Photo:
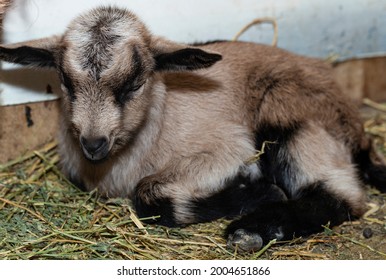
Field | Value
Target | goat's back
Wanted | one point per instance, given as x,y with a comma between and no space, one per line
256,85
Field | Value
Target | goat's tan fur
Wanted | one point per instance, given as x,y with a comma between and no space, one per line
184,134
204,132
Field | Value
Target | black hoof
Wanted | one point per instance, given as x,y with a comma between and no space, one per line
244,241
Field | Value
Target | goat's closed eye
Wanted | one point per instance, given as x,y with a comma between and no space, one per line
126,92
132,88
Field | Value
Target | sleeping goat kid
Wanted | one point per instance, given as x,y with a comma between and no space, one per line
175,127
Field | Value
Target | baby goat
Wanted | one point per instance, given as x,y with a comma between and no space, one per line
175,127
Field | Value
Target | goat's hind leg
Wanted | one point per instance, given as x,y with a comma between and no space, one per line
314,207
323,188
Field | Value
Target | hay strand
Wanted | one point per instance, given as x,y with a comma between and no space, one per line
257,22
375,105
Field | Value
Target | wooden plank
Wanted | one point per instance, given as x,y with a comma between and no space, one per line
375,82
350,77
27,126
362,78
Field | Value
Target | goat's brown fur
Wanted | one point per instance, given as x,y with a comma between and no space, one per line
138,122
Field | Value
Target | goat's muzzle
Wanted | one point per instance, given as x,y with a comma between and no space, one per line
95,148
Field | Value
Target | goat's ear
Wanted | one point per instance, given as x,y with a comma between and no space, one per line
185,59
36,53
170,56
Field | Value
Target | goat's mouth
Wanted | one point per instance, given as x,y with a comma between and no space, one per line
95,150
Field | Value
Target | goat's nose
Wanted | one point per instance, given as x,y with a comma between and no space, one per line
94,148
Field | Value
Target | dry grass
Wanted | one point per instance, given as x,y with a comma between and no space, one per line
42,216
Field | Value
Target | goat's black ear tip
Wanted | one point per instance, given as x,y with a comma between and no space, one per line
211,58
217,57
186,59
